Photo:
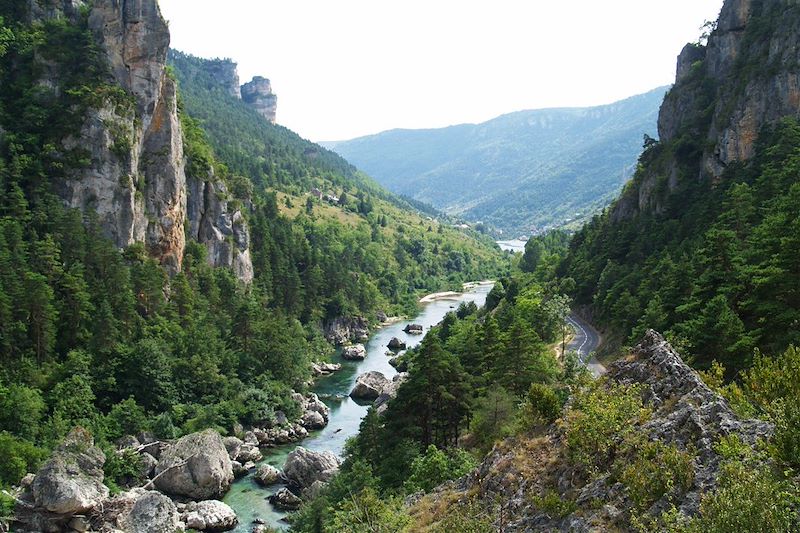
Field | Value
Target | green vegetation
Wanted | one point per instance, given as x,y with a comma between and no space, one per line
103,338
550,167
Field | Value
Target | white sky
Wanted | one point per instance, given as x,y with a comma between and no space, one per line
345,68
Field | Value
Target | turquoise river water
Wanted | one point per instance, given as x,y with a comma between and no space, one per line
248,499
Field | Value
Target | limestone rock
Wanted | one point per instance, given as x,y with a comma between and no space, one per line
369,386
210,515
196,466
71,481
324,369
267,475
303,467
414,329
313,420
285,500
152,512
225,73
389,392
356,352
343,330
258,95
396,344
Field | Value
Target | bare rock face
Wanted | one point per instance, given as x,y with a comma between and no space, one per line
746,78
71,481
356,352
225,73
303,467
151,512
267,475
221,227
343,330
258,94
196,466
389,392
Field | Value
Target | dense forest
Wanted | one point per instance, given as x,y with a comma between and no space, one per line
103,338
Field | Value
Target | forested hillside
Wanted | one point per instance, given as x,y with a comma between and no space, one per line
154,330
519,172
702,243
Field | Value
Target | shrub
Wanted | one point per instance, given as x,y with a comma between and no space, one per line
365,512
17,458
122,469
125,418
601,416
657,470
470,518
553,504
435,467
542,403
787,433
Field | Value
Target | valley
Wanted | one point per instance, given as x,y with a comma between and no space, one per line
210,323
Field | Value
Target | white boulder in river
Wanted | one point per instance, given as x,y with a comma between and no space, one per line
369,386
196,466
210,515
303,467
356,352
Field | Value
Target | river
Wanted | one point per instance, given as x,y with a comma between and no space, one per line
515,245
248,499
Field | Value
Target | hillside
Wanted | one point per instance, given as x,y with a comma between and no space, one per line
151,281
520,172
701,243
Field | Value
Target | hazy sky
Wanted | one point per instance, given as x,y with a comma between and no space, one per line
345,68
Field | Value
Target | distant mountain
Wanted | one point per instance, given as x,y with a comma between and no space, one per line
519,172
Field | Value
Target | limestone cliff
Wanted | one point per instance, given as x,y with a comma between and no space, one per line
136,180
258,94
745,78
226,75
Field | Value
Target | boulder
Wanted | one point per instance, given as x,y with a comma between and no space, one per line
313,420
414,329
267,475
369,386
196,466
400,363
303,467
210,515
71,481
357,352
239,470
342,330
249,453
233,445
396,344
285,500
152,512
147,465
324,369
389,392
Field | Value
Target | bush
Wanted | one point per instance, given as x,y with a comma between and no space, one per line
17,458
365,512
435,467
492,418
542,404
126,418
601,416
122,469
470,518
657,470
787,433
553,504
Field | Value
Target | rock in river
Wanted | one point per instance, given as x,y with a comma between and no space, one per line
303,467
369,386
396,344
357,352
285,500
267,475
210,515
196,466
414,329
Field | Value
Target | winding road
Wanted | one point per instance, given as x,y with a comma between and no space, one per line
585,342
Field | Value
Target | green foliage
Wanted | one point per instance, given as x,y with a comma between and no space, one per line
435,467
657,470
600,417
542,405
468,518
554,504
19,458
493,418
122,469
365,512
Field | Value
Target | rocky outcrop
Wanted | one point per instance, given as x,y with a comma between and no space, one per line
151,512
224,72
745,78
685,414
258,95
354,353
396,344
285,500
196,466
414,329
210,515
344,330
369,386
71,481
389,392
216,220
303,467
325,369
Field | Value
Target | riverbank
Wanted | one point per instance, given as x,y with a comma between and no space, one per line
249,499
453,295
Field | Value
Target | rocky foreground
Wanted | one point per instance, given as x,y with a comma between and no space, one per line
684,413
185,479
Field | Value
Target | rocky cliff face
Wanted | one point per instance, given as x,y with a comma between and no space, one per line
746,78
258,94
136,180
225,73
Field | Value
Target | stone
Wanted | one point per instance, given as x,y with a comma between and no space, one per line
152,512
196,466
313,420
285,500
258,95
400,363
71,481
233,446
147,465
343,330
303,467
369,386
80,523
210,515
414,329
356,352
249,453
396,344
239,471
389,392
267,475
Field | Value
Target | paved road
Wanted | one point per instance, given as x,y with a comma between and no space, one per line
585,342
